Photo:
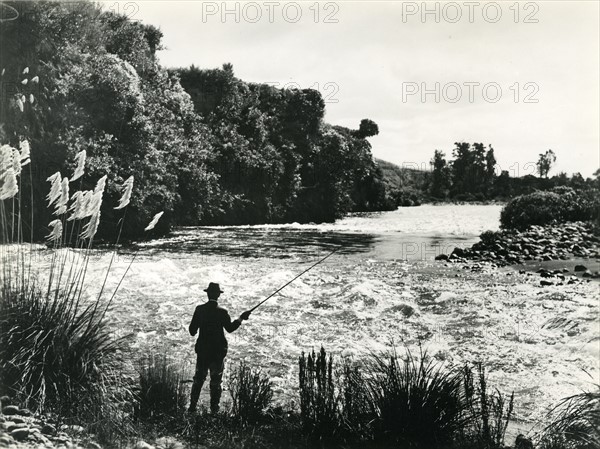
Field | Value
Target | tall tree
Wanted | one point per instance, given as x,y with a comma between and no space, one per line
440,176
545,162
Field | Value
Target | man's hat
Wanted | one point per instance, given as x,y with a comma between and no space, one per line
212,287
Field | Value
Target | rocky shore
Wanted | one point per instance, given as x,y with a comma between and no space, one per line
566,241
20,428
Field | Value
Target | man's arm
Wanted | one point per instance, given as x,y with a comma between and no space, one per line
229,325
195,324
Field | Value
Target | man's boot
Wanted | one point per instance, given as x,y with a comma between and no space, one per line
215,398
196,387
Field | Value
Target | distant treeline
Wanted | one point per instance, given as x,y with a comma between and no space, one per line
472,175
204,146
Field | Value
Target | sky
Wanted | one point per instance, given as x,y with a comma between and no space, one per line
521,76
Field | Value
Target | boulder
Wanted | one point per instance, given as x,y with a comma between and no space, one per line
544,283
20,434
523,443
441,257
10,410
48,429
580,268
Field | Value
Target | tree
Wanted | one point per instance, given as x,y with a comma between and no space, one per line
366,129
545,162
440,177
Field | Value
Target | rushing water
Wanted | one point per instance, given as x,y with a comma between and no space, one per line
381,288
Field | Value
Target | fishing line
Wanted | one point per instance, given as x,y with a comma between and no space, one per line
289,282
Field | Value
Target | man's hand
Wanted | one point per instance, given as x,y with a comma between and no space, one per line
245,315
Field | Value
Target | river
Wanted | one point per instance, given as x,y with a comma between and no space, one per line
382,288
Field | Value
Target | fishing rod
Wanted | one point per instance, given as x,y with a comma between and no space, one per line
288,283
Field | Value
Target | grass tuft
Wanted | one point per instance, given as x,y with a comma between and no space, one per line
162,390
251,393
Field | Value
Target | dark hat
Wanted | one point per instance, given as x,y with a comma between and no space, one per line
212,287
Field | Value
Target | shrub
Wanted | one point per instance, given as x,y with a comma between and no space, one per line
161,389
417,403
560,205
575,423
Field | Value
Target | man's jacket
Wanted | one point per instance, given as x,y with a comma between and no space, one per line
209,321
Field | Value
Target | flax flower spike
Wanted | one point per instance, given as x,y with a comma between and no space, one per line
154,221
127,189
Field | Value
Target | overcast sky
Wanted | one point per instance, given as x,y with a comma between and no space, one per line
375,59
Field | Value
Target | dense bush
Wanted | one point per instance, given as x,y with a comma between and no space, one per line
560,205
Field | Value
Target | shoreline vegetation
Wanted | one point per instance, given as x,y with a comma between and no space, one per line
93,101
206,147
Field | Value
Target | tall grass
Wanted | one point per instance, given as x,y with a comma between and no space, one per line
318,398
251,393
162,391
417,402
488,414
57,353
574,423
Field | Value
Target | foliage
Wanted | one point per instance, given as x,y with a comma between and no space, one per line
161,388
540,208
545,162
251,393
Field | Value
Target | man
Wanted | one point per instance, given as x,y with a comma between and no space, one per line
211,347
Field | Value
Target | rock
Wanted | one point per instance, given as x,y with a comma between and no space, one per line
6,440
580,268
459,252
142,445
20,434
587,274
441,257
24,412
48,429
10,410
15,426
523,443
544,282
